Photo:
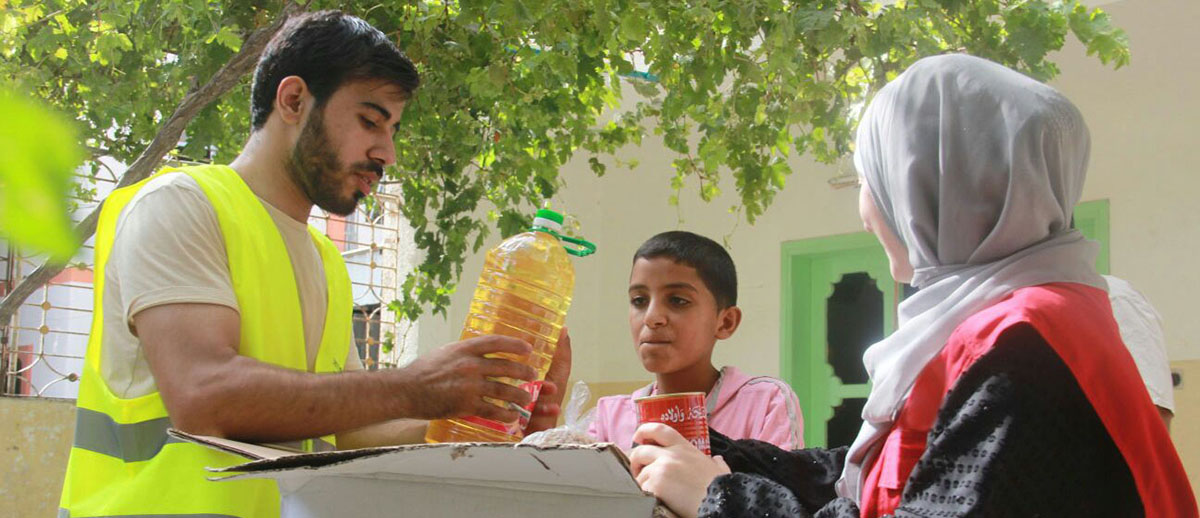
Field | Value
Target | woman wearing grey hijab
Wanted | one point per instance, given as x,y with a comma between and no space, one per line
1005,390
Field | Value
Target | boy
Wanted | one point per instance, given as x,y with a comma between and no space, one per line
682,299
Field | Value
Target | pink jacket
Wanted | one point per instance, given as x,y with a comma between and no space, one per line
745,407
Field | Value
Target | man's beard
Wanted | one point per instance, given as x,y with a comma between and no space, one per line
315,168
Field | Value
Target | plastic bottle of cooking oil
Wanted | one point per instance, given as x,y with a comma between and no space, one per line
523,292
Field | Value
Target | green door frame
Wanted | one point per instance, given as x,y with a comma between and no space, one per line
809,269
1091,219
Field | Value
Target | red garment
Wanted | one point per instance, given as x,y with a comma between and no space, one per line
1096,357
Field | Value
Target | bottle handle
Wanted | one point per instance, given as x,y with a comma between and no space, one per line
582,248
585,247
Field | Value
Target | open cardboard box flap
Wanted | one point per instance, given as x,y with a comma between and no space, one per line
464,479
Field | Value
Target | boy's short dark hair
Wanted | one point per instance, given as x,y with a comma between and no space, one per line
326,49
711,261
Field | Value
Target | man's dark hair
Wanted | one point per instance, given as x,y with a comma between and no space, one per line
327,49
711,261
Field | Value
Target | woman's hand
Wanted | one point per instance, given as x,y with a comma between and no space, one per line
669,466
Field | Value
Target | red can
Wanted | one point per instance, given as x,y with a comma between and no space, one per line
685,412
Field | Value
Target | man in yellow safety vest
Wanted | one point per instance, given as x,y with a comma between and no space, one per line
219,311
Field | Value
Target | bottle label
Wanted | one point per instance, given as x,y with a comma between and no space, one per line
685,412
517,427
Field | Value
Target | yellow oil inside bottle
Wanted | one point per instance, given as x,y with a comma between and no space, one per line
523,292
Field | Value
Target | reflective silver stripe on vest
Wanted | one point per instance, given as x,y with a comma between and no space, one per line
63,513
317,445
133,442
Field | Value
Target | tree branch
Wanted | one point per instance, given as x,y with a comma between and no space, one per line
167,138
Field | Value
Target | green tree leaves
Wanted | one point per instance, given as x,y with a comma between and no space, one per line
40,156
227,37
513,90
1097,33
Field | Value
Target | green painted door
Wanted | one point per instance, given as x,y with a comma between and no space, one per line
838,297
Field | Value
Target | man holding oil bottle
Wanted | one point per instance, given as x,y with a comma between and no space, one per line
220,312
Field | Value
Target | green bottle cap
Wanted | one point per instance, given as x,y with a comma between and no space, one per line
549,221
550,215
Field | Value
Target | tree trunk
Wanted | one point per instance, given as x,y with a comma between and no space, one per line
167,138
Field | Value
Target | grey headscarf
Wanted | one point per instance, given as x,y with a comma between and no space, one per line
977,169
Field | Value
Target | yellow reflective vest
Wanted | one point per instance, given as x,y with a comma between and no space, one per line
122,462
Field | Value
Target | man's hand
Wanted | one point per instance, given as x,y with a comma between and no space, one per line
211,389
669,466
549,402
453,380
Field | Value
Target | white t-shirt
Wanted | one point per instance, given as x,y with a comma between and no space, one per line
169,249
1141,330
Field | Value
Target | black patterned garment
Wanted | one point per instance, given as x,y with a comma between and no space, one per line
1014,437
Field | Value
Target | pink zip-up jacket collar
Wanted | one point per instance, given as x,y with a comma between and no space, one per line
739,406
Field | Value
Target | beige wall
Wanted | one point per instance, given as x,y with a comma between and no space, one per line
1185,426
35,439
1143,120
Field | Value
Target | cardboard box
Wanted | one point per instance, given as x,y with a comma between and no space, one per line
452,480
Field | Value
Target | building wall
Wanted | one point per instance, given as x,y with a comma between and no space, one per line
1143,120
1185,427
36,439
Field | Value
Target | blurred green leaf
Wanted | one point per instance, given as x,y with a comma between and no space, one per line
40,154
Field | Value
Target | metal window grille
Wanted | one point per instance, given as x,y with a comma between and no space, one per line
42,347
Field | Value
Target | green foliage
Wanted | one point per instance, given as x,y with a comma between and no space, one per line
40,155
120,67
513,90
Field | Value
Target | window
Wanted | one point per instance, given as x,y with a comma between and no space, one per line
42,348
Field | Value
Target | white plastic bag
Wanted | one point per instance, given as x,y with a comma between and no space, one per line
575,422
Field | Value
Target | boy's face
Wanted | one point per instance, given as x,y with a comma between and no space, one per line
673,318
